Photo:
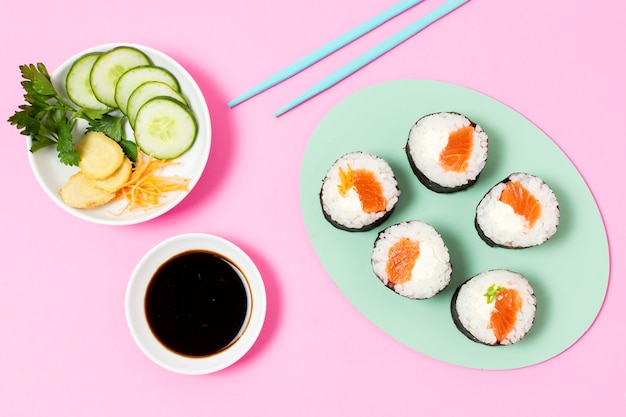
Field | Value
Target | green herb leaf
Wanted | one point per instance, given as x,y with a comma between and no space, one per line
111,126
65,145
24,120
42,84
130,149
39,142
44,117
48,119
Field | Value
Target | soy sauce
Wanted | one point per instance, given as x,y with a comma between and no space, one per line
196,303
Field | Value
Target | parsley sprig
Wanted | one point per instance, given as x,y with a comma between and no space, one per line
48,119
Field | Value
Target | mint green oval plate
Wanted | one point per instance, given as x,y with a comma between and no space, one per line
569,273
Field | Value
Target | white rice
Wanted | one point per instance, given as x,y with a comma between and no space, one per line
346,210
432,270
429,137
500,224
474,313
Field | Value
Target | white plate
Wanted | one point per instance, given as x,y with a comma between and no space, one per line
135,310
52,174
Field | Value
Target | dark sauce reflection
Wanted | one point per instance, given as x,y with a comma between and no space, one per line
196,303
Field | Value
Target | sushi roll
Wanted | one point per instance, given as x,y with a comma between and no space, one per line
359,192
519,212
412,259
496,307
447,151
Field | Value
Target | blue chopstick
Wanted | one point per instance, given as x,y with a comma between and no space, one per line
326,50
373,54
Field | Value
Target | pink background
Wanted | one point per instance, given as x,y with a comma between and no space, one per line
66,349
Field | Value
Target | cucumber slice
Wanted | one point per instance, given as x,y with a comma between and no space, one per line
147,91
109,67
134,77
165,128
77,83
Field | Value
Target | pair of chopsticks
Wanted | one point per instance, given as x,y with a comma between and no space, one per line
358,62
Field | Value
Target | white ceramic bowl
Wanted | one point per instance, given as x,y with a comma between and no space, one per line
140,328
52,174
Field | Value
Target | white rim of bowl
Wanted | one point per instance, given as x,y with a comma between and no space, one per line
135,294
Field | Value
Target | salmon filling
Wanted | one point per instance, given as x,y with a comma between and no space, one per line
504,315
367,186
402,257
522,201
455,156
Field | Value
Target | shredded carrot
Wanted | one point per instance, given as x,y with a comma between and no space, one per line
144,189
